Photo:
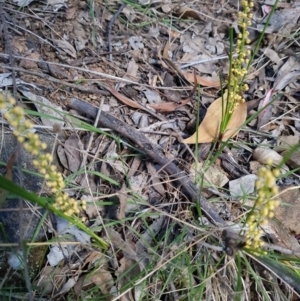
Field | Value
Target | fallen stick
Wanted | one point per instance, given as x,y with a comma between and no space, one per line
153,151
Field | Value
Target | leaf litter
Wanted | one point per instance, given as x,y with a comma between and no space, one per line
151,211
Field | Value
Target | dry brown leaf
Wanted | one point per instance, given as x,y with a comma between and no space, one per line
294,160
123,202
287,73
165,107
208,130
289,207
131,72
79,285
119,244
155,179
126,273
71,10
273,56
283,234
282,20
73,153
50,279
214,175
103,279
28,64
129,102
185,12
266,114
264,154
201,80
66,47
286,142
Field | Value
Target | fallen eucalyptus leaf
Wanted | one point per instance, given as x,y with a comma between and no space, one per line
286,142
265,115
66,47
203,81
208,130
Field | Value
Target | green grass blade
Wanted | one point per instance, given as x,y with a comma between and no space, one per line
32,197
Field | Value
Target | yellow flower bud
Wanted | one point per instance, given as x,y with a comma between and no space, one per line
274,190
11,100
276,172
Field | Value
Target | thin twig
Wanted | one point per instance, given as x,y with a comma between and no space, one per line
109,28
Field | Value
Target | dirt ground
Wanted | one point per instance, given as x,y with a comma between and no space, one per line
145,65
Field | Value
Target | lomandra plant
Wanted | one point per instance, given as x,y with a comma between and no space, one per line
63,205
226,114
31,143
264,205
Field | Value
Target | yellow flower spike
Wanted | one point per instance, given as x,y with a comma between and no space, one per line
33,144
264,205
